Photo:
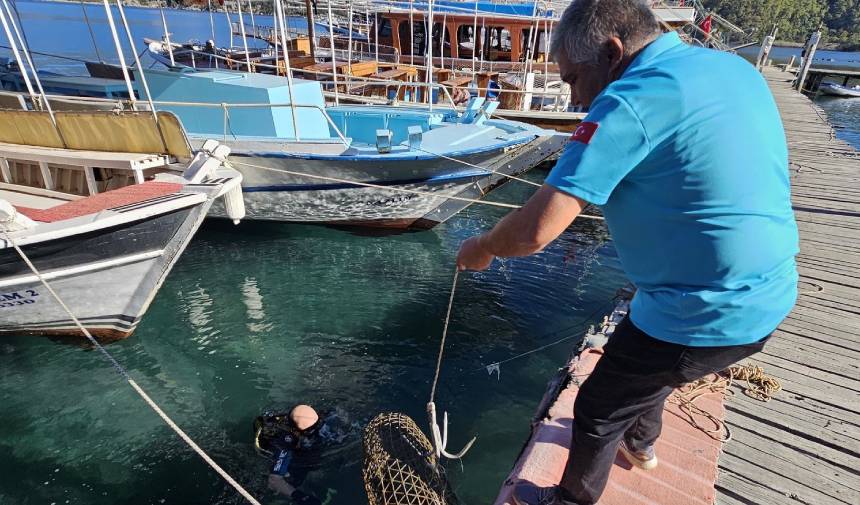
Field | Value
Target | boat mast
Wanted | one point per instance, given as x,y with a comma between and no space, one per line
430,56
120,55
166,38
411,36
349,47
253,21
29,60
279,17
141,74
333,53
244,38
211,20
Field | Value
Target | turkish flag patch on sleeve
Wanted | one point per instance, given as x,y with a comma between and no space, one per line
584,132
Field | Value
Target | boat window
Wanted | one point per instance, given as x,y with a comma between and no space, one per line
465,41
385,28
417,37
437,35
539,50
499,44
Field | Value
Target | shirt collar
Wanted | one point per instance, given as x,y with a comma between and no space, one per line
660,45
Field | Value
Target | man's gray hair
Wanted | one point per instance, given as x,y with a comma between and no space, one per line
586,25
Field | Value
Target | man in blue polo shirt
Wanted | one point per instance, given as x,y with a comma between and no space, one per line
684,151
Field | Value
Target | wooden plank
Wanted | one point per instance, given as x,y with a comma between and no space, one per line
802,446
90,178
47,178
4,171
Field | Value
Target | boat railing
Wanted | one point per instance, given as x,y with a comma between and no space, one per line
227,106
351,79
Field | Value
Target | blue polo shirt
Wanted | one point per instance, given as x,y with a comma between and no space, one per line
686,155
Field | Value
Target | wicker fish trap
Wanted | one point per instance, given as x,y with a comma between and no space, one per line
400,467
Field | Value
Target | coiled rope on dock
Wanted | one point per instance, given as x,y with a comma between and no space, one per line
122,371
759,386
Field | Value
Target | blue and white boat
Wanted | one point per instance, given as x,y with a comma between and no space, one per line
348,165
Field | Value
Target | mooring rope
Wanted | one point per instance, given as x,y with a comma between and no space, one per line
149,401
234,161
444,335
759,385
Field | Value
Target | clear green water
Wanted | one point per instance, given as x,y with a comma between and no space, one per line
256,317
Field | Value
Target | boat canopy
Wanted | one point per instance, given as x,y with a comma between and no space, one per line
271,118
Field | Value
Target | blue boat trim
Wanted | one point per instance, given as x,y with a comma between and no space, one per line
441,179
408,155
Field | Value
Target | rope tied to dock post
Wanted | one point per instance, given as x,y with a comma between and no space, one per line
119,368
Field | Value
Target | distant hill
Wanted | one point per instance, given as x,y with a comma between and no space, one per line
796,19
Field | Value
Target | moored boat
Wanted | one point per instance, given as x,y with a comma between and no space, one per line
832,89
351,165
103,228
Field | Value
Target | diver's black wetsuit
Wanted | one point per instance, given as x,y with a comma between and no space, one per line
291,451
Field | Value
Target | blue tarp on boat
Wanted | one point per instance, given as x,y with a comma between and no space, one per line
484,7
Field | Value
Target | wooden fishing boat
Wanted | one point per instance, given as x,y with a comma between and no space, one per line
103,204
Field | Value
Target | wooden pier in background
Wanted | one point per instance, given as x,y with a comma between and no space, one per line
802,446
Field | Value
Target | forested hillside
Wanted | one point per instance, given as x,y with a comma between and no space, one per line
796,19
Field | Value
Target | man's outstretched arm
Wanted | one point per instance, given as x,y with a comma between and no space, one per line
524,231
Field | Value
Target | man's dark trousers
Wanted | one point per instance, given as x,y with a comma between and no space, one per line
624,396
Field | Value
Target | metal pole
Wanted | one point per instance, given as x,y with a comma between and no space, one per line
29,60
474,41
253,21
411,36
92,36
14,46
211,20
430,56
333,53
244,38
376,36
349,46
229,24
120,55
279,16
166,37
140,72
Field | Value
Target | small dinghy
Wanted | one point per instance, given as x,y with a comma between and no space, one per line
829,88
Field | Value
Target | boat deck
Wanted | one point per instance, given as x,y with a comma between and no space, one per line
802,446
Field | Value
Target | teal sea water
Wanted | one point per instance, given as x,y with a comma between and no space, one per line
261,316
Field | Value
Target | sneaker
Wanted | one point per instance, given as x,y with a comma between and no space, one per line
530,494
645,459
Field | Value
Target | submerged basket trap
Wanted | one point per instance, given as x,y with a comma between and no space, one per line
400,467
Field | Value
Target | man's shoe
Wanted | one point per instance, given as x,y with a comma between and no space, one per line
645,459
530,494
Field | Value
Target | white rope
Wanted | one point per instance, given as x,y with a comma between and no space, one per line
390,188
238,487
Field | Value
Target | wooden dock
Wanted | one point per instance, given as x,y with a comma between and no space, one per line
802,446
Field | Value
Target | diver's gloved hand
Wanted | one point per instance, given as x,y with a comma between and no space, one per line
304,498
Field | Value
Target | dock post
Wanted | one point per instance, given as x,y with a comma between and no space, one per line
790,64
807,60
764,52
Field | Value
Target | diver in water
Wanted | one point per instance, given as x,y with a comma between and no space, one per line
291,440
